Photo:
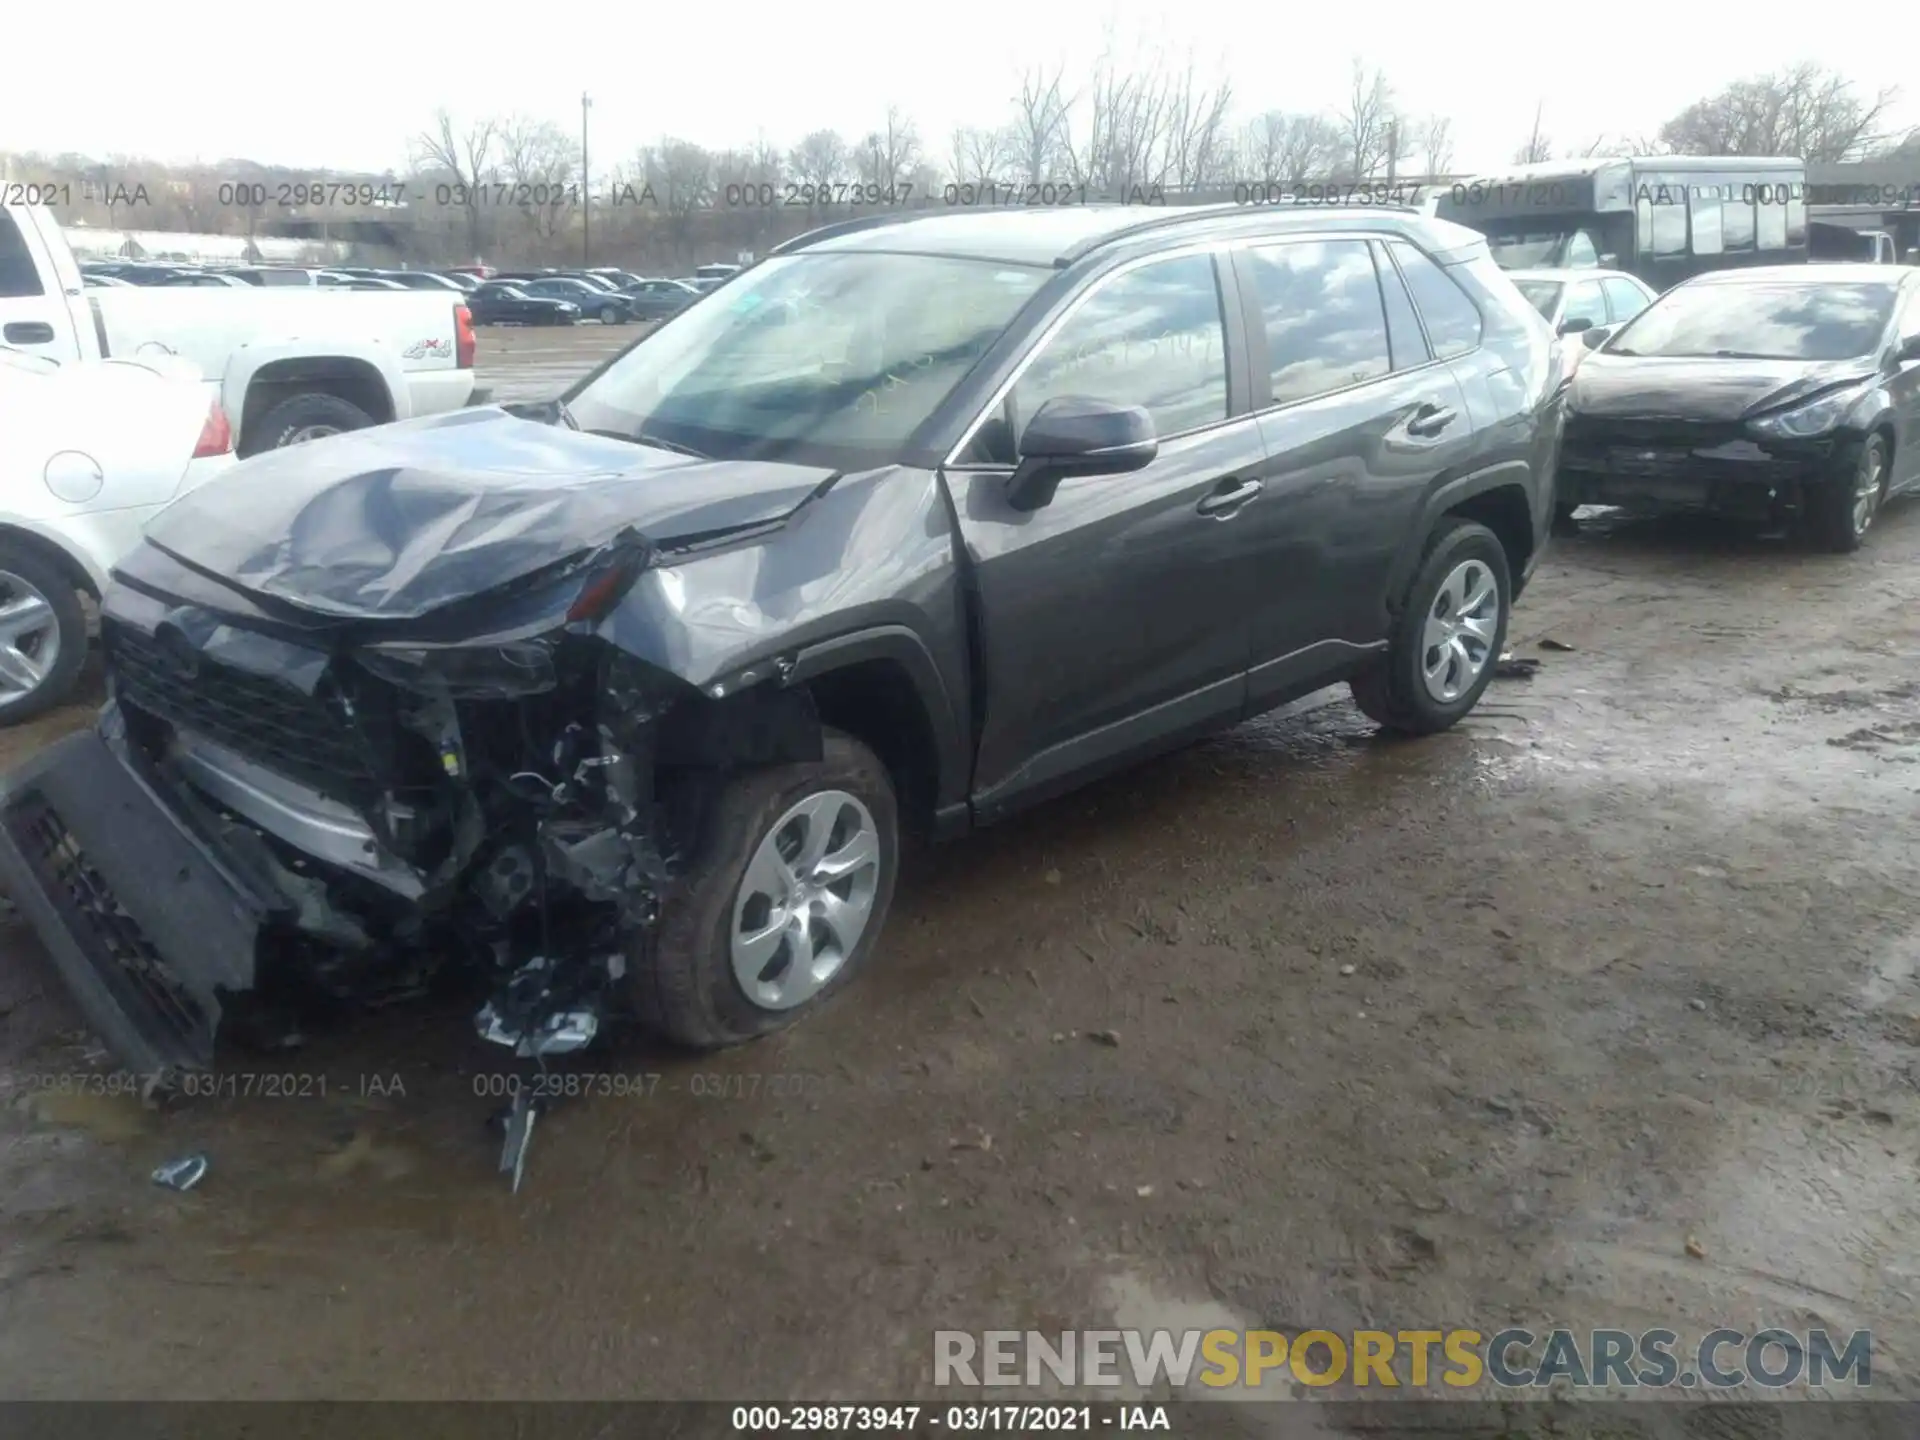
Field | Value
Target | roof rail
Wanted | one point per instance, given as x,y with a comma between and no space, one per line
1162,216
839,227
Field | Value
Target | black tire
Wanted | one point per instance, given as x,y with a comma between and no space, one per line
609,315
1393,694
1829,522
684,990
277,427
71,621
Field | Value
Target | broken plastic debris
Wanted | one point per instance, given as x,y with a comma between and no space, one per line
1696,1249
181,1174
1555,645
1512,668
513,1152
1109,1038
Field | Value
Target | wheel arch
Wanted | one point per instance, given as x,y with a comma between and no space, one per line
358,380
1498,498
881,686
55,554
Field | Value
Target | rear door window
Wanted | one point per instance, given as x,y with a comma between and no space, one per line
1326,322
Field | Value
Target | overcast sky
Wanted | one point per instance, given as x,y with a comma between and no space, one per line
347,84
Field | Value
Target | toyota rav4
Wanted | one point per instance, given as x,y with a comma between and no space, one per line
625,700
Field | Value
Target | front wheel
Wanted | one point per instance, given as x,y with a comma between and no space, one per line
609,315
1840,512
1446,639
784,904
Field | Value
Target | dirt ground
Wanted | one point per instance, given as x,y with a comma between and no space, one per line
1599,1011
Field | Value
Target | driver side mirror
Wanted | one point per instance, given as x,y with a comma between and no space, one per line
1071,435
1576,324
1595,336
1909,349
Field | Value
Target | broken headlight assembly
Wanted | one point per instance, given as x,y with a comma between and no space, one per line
501,671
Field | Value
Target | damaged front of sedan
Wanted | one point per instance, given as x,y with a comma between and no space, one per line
617,701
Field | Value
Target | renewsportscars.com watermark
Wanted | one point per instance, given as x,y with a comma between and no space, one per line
1414,1359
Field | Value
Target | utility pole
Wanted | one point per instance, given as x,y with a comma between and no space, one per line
586,187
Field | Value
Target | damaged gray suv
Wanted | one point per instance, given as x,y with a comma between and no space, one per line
625,701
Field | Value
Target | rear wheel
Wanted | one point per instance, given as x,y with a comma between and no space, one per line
43,634
784,904
1446,639
1840,512
305,417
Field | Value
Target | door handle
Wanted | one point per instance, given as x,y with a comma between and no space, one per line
29,332
1430,420
1228,499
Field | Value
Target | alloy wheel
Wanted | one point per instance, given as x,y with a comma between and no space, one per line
1866,488
805,900
29,638
1456,644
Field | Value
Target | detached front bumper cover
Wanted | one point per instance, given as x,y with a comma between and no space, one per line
147,923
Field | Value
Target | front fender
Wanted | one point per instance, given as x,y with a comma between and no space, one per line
865,571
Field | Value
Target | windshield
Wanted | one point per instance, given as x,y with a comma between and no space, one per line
1543,295
845,351
1535,248
1761,322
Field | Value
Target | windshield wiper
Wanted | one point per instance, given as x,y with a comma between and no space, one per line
642,438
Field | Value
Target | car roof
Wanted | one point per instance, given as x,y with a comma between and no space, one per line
1812,273
1565,275
1062,235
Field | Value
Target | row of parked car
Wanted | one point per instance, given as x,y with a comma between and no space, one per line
606,294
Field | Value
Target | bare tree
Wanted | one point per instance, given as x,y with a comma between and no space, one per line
1122,146
1038,138
680,175
1806,111
820,159
1539,144
466,154
539,159
1198,148
1371,132
979,156
1289,149
1435,136
1907,149
887,157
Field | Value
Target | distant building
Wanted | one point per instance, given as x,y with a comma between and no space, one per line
91,242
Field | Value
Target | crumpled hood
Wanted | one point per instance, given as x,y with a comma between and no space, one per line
1653,388
396,521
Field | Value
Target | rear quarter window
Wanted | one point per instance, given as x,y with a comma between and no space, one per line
1453,321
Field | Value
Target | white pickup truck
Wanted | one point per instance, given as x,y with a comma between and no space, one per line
289,364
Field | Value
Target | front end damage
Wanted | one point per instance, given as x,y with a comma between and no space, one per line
267,820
